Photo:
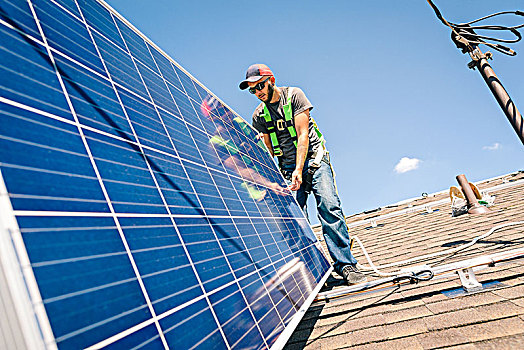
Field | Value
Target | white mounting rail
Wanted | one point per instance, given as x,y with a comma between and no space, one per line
443,271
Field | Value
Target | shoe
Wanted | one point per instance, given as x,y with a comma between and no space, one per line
352,275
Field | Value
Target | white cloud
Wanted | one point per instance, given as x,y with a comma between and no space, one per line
494,147
406,164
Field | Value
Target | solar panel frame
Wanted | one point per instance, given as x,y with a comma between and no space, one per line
91,135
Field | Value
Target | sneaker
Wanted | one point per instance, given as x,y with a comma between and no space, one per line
352,275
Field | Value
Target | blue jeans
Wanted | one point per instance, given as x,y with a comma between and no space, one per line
329,212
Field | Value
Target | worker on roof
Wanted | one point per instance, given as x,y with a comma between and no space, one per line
292,135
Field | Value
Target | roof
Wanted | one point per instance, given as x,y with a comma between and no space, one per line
425,315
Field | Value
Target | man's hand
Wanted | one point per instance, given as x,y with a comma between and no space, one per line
276,188
296,180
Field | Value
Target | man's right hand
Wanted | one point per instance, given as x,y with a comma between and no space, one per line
276,188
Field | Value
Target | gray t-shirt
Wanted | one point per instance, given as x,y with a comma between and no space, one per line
299,104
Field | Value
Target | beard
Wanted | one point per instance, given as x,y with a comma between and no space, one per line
270,91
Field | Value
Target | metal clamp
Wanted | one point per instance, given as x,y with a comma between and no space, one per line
469,280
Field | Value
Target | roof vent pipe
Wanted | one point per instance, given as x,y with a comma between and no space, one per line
473,206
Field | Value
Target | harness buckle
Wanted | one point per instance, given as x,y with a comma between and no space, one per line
280,125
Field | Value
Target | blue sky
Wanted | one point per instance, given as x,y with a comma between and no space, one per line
390,91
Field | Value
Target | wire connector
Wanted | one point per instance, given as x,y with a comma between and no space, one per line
476,56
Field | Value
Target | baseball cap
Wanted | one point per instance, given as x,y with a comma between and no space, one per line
254,73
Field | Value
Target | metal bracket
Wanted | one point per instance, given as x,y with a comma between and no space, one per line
469,281
476,55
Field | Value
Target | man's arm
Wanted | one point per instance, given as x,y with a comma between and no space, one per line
251,175
302,128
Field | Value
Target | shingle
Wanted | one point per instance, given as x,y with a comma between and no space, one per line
493,329
464,347
396,344
511,293
405,304
464,302
363,322
367,335
437,339
407,314
405,328
331,343
453,319
433,298
519,302
511,342
500,310
346,325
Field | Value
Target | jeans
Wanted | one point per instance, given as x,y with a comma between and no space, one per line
329,212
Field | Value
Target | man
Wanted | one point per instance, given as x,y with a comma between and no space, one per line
292,135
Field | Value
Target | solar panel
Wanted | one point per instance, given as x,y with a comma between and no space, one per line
137,209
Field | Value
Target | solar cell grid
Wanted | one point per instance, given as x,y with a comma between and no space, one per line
128,182
66,34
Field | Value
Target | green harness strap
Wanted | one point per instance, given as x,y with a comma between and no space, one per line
288,121
288,115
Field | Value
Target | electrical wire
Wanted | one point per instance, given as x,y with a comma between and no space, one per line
451,252
467,32
340,323
396,281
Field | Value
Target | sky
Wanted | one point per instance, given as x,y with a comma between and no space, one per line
401,112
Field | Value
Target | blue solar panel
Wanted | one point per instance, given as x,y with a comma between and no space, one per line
135,205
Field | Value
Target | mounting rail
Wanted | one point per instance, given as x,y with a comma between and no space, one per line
460,268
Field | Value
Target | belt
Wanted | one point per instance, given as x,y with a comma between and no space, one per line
287,173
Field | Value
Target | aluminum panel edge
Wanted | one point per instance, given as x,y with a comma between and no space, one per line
292,325
23,319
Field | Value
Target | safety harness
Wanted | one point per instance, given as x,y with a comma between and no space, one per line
287,122
280,124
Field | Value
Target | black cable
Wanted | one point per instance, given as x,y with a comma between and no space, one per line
467,31
340,323
415,277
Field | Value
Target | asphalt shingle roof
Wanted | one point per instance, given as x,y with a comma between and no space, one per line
421,316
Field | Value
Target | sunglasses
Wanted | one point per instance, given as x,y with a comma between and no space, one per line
259,86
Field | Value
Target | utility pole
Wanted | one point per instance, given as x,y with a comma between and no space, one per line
464,36
480,61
